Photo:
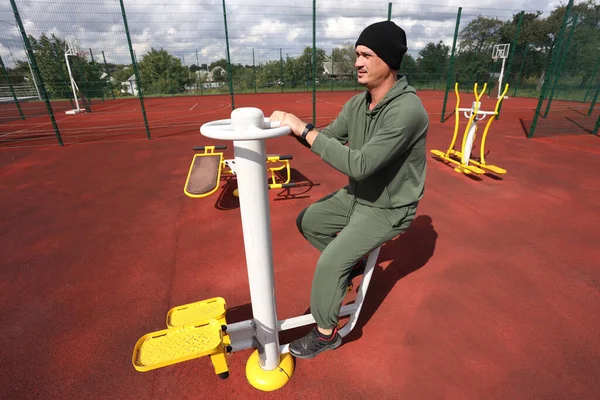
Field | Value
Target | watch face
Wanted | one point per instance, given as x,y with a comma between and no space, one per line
310,126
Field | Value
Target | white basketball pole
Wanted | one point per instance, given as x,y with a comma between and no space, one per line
73,85
500,51
500,79
72,50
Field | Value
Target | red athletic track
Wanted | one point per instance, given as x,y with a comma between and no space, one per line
493,293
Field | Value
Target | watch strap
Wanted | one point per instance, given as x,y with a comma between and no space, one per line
307,128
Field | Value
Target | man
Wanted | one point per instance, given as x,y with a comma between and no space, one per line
385,130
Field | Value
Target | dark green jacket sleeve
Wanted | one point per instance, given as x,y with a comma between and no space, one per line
338,129
389,141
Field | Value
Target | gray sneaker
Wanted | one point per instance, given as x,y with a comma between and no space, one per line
314,343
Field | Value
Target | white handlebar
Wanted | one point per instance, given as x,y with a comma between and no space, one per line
246,123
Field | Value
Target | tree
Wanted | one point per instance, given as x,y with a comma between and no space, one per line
161,73
268,74
220,63
305,60
480,35
343,59
582,54
292,72
408,65
434,58
17,75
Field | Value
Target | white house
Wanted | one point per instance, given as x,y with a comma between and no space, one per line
130,86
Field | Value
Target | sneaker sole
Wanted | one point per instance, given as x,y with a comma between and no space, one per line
333,346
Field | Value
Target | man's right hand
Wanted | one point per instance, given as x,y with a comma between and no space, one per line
290,120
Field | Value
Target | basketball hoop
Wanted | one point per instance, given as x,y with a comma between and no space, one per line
500,51
82,54
72,46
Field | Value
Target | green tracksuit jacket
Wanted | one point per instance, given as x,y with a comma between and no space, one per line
382,151
385,157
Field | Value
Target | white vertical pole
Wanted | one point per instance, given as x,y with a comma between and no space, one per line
31,71
250,161
500,80
71,78
37,90
33,78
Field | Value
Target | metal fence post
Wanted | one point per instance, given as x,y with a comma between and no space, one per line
451,66
230,78
135,70
550,69
36,71
560,65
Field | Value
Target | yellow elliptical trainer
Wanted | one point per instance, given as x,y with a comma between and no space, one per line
462,159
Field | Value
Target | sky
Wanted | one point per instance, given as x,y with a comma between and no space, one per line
257,30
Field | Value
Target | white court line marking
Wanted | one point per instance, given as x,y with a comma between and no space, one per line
320,100
56,118
224,106
194,106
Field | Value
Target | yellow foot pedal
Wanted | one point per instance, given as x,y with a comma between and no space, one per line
469,169
171,346
439,153
494,169
194,313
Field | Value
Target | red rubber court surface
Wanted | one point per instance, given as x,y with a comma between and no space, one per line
122,119
493,293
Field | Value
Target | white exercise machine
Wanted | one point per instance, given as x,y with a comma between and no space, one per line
200,329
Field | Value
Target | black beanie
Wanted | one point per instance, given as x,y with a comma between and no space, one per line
387,40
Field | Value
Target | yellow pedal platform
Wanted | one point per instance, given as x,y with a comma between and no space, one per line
194,313
472,169
438,153
495,169
174,345
461,168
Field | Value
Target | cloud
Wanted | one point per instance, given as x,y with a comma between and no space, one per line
267,28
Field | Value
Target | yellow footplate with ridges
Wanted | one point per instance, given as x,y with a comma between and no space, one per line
197,312
174,345
193,330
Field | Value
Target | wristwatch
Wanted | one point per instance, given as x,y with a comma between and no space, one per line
307,128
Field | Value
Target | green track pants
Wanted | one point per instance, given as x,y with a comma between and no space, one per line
344,231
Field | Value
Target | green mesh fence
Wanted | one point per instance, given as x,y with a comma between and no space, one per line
569,85
132,56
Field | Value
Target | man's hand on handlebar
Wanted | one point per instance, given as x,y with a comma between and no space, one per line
287,119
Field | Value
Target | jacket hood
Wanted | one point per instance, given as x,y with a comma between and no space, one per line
400,87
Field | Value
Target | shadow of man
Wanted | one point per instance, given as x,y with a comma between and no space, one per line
407,252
